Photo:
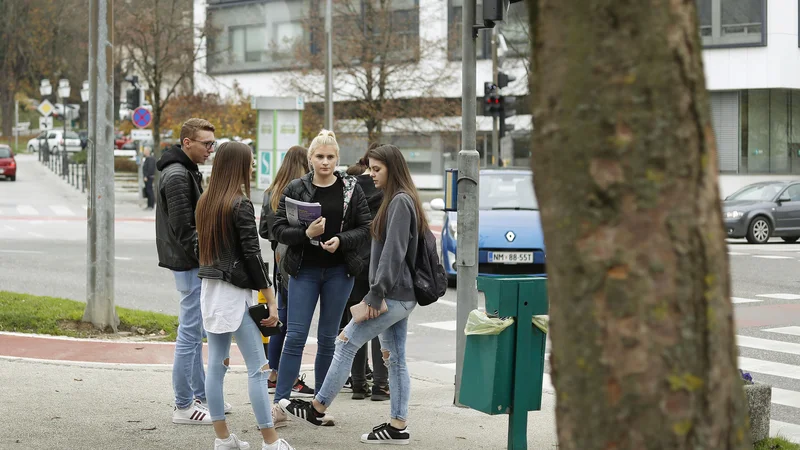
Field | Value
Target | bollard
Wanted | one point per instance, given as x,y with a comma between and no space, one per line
503,373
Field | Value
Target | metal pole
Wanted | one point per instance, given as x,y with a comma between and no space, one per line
100,309
16,125
329,66
495,126
468,172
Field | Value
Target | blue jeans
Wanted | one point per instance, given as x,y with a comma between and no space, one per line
248,339
275,346
392,326
188,376
332,287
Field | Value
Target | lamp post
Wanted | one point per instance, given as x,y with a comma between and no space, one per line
45,88
63,92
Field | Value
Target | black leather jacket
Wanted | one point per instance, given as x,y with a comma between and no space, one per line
239,262
355,224
178,192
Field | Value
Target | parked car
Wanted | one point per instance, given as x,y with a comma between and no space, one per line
56,141
8,165
510,238
763,210
33,144
120,140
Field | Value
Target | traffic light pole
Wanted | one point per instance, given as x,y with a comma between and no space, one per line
468,177
495,132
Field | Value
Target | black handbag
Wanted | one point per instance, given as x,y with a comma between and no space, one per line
260,312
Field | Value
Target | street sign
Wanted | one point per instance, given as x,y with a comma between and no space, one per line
45,108
142,135
142,117
46,123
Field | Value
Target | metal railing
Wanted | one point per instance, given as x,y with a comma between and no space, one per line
60,163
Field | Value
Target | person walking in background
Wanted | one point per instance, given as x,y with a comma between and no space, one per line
294,166
358,381
398,225
231,268
149,175
321,258
176,239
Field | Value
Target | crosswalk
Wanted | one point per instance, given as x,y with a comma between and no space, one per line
41,211
770,354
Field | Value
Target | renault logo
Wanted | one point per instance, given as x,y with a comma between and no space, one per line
510,236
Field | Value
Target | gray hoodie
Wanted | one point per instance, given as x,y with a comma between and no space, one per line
389,273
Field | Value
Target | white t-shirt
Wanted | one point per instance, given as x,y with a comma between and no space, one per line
223,305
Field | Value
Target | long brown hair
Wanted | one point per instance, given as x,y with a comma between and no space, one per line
295,165
230,179
398,179
362,164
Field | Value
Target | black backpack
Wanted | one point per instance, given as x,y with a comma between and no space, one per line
430,279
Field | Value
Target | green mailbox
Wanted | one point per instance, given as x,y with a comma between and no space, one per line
503,373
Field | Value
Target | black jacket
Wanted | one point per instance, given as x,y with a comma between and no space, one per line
179,190
374,200
149,167
355,224
239,262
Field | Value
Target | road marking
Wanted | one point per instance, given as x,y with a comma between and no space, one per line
737,254
451,366
770,368
62,210
27,252
791,331
447,302
772,257
786,397
781,296
9,228
738,300
27,210
785,430
123,258
768,344
36,234
449,325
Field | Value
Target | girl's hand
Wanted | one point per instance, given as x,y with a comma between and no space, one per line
316,228
331,245
272,320
373,313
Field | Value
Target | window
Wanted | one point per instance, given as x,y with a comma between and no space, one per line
514,30
507,191
5,152
732,23
483,44
770,131
794,192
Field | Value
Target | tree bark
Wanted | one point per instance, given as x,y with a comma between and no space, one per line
625,165
7,111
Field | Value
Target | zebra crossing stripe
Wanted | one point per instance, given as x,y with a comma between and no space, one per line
27,210
785,430
786,397
768,344
770,368
791,331
781,296
739,300
62,210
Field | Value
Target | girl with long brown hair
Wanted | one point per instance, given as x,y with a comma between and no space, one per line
396,229
294,166
231,268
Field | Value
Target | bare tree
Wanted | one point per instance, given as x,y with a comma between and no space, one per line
158,38
383,68
626,174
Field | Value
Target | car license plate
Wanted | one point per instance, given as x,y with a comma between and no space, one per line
511,257
2,171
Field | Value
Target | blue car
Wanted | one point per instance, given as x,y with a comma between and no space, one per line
510,238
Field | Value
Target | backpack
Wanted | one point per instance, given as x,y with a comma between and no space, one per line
430,279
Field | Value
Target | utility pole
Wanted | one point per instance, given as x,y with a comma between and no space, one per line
329,65
16,125
100,310
468,177
495,134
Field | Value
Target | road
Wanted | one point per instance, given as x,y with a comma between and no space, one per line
43,251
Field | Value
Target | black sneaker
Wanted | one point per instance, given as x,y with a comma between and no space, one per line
348,385
368,373
360,393
302,410
387,434
301,390
380,393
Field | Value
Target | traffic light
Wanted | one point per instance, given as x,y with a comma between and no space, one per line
495,11
133,98
506,103
491,99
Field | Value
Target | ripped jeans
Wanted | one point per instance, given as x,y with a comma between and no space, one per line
248,339
392,326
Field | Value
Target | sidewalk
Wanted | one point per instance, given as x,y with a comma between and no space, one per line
70,405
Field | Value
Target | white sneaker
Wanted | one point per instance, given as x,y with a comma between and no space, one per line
279,418
231,443
280,444
204,405
193,415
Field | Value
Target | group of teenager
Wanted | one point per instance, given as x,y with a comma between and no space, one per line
356,252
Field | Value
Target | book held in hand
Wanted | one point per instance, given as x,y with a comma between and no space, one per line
302,213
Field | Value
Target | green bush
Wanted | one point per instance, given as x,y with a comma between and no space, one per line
80,157
123,164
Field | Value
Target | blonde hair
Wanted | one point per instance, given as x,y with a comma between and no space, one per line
325,138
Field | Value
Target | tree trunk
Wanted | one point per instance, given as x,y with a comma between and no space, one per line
626,174
7,111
